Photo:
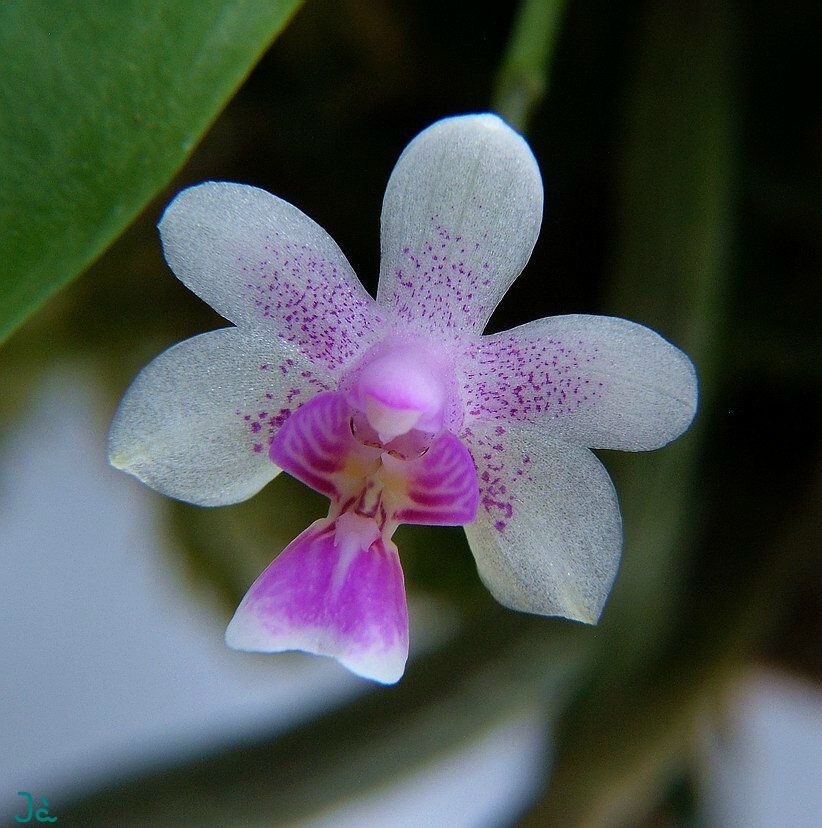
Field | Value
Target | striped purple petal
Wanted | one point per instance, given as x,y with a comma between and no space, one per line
337,590
316,445
439,488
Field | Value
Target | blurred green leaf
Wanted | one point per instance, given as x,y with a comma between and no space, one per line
623,744
671,271
101,104
620,742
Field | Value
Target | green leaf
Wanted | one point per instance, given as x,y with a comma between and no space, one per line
101,104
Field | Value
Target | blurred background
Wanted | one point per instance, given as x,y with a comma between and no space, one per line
681,152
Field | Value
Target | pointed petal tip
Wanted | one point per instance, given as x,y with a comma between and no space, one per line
682,406
194,191
489,120
132,462
579,611
554,607
382,670
584,616
692,389
482,120
119,460
120,445
246,633
125,457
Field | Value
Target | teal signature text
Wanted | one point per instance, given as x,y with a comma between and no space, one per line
41,814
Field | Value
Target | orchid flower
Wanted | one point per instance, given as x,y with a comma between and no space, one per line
398,410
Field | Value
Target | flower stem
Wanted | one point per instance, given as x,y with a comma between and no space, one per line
522,79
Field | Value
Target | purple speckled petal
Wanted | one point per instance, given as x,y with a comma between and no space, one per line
264,265
548,533
460,218
591,380
337,590
317,446
196,422
437,489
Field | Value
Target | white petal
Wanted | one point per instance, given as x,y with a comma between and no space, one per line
460,218
263,264
196,422
595,381
548,534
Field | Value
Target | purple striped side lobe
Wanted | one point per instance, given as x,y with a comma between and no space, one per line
316,445
441,487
